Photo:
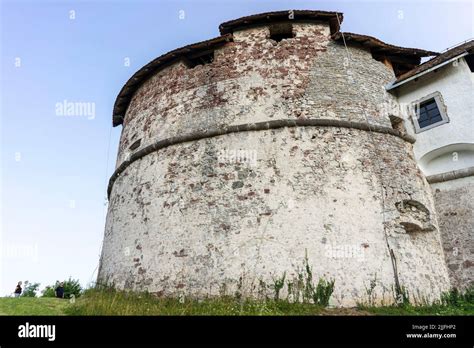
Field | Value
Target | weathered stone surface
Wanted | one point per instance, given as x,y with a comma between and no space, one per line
455,207
202,221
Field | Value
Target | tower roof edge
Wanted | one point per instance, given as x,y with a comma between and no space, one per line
333,18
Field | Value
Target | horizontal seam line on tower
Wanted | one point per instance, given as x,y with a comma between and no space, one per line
259,126
452,175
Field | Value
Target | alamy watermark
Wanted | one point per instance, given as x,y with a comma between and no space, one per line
246,157
78,109
20,251
345,251
37,331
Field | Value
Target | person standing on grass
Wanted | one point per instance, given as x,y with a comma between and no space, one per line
59,291
18,290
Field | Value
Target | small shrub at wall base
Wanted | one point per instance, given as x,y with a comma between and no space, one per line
323,292
457,298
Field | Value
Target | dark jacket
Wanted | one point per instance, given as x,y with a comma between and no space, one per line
60,292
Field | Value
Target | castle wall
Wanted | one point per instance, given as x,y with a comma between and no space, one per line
455,209
229,213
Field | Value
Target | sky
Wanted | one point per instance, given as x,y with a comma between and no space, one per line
55,164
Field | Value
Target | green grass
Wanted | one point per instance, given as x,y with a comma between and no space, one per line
112,302
451,303
421,310
32,306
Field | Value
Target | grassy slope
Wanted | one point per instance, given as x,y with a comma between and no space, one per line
121,303
32,306
107,302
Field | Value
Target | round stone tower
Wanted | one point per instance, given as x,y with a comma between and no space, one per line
245,157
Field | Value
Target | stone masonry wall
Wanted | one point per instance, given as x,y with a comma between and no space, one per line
232,213
455,209
254,79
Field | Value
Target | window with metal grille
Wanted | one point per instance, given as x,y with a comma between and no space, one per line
429,113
